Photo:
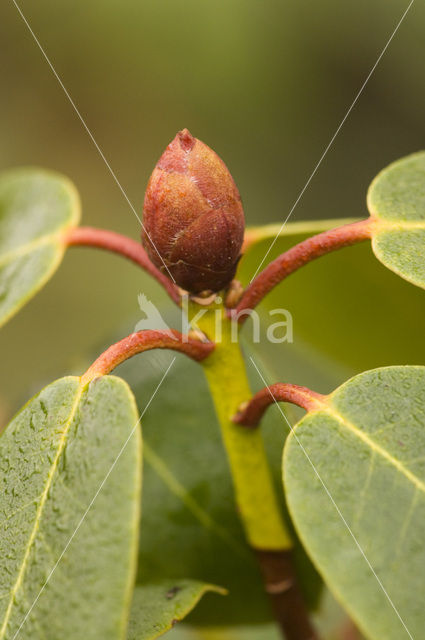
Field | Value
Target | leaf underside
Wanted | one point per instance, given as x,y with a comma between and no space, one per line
36,207
368,447
54,456
349,312
157,608
396,199
190,526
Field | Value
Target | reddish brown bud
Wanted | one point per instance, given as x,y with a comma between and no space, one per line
193,216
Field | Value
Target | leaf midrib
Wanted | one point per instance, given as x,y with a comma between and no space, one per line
375,447
385,225
39,511
177,489
27,248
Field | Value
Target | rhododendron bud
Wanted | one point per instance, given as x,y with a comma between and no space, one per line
193,216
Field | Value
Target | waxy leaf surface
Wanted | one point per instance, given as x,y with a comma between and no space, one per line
158,607
36,207
396,200
354,474
54,457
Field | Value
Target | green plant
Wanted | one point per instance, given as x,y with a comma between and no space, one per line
353,466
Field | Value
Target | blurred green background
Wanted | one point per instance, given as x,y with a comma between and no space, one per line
264,82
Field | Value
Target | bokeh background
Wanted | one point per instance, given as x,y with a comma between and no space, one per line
264,82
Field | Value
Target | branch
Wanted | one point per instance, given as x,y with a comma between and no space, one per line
286,598
145,341
277,567
298,256
127,247
250,413
350,632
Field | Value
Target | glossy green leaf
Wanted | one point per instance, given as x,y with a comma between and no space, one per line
367,446
36,207
396,200
54,457
157,608
190,522
349,312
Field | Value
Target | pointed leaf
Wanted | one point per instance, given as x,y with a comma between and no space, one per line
157,608
54,457
396,200
36,207
367,444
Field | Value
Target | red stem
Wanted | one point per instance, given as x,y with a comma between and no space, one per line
250,414
144,341
134,251
350,632
278,570
298,256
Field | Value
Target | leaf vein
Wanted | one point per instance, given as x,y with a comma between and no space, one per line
25,249
39,512
192,505
363,493
15,513
376,447
405,526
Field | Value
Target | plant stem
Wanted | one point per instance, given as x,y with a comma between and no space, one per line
255,495
127,247
144,341
280,582
250,413
298,256
350,632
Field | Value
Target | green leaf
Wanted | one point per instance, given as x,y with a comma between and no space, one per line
367,445
36,207
190,522
396,200
157,608
254,236
349,313
54,457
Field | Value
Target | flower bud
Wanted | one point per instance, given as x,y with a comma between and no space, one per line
193,216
